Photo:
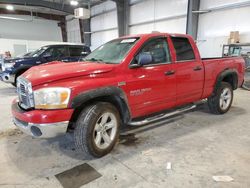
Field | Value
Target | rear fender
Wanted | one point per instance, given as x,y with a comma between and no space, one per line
230,73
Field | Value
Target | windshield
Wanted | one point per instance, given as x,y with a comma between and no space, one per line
38,52
113,51
26,54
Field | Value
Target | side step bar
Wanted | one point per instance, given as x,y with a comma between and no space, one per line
160,117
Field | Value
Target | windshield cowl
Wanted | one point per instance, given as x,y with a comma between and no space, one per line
92,60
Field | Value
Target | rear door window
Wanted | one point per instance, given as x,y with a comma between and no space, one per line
75,51
183,49
57,52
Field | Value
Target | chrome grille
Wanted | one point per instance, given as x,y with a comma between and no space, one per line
22,88
25,93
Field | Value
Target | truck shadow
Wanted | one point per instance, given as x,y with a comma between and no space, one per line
42,158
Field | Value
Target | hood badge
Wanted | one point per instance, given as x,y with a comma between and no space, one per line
121,83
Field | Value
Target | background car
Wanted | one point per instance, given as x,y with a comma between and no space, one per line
12,68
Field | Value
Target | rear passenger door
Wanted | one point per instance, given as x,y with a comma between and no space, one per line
189,71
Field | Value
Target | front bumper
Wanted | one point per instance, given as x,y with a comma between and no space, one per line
7,77
47,130
41,123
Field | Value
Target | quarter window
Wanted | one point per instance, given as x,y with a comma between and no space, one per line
183,49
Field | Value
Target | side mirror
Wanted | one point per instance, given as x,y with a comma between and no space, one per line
47,55
145,59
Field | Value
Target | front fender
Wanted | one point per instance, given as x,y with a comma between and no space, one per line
21,68
113,94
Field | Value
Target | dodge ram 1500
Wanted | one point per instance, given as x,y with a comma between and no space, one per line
131,80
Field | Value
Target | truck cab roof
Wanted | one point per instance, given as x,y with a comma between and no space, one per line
155,34
58,45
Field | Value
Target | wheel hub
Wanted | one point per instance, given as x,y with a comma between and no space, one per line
225,98
105,130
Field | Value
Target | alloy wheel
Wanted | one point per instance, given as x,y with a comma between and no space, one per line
105,130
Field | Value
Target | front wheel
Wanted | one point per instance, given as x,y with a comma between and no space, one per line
97,129
222,100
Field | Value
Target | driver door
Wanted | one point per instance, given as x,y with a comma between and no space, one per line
152,87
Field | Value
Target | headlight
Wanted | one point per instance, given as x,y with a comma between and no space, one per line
51,98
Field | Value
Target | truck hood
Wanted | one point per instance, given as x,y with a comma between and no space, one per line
56,71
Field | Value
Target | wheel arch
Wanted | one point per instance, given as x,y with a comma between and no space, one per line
18,72
228,75
21,70
113,95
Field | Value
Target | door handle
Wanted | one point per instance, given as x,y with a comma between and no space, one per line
197,68
168,73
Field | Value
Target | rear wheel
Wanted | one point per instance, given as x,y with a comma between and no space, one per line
221,102
97,129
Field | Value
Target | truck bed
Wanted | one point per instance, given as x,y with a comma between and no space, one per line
214,66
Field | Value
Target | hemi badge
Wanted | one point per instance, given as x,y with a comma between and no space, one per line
121,83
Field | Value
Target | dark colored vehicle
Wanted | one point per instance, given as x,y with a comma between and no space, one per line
12,68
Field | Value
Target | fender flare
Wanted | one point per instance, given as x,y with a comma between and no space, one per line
224,74
111,91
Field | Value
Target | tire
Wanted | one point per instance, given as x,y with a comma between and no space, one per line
222,100
90,134
14,84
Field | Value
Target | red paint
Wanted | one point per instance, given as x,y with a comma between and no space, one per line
42,116
160,91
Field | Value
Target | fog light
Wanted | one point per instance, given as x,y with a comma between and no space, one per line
35,131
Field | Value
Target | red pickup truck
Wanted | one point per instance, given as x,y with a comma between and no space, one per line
132,80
